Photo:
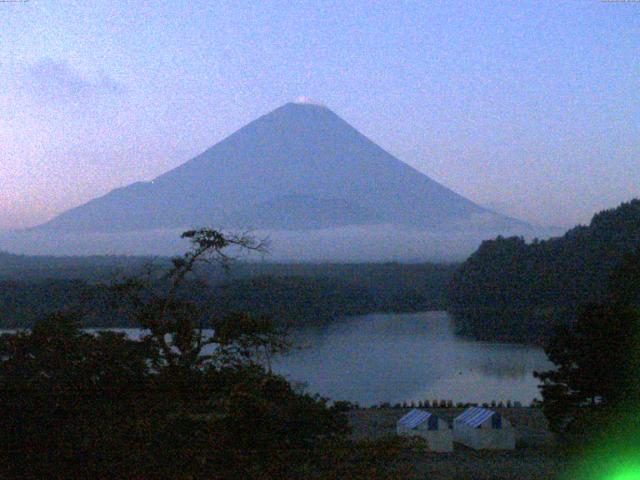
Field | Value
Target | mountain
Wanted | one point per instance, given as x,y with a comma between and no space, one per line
300,176
299,167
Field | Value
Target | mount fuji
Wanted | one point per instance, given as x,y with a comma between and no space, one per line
299,171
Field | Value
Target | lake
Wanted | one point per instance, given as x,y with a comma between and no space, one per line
394,358
410,357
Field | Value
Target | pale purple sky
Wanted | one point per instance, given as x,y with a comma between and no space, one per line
532,108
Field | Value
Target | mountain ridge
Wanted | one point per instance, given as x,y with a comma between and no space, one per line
297,150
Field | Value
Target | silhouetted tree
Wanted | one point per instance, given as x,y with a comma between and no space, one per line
597,361
74,404
165,307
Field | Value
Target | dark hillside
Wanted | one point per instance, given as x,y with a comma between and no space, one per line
511,290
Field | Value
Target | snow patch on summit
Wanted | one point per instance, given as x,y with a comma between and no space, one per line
302,100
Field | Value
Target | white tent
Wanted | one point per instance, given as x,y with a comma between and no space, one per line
423,424
480,428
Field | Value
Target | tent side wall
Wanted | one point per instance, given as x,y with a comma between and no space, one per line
485,437
440,440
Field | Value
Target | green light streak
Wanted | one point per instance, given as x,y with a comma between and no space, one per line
617,457
625,472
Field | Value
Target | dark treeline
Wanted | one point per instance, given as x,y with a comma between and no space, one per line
91,269
511,290
321,293
292,294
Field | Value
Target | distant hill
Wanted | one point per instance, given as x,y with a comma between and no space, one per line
513,290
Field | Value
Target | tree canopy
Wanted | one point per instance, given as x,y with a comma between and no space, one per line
517,291
596,380
597,367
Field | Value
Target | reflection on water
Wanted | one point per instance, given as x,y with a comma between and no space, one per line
406,357
393,358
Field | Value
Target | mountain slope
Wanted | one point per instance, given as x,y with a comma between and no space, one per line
298,167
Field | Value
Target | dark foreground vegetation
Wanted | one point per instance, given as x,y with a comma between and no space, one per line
82,406
177,404
292,294
592,396
509,290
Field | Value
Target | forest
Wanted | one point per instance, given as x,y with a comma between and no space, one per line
516,291
291,294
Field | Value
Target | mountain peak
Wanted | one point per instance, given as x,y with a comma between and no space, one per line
294,120
300,106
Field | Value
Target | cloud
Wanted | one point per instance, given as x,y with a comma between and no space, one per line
57,80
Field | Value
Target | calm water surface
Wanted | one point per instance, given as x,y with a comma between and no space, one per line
407,357
397,357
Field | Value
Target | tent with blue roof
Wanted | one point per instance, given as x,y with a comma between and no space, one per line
483,429
421,423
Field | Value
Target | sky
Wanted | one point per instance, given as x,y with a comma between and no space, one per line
529,108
